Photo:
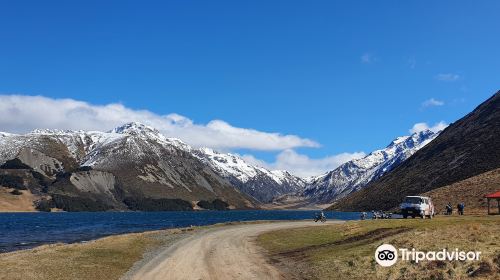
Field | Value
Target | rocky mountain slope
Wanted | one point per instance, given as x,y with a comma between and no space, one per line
132,167
258,182
466,148
356,174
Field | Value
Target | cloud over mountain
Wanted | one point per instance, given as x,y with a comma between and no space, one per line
21,113
424,126
303,165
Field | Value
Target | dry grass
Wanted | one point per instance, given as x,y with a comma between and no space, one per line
106,258
16,203
470,191
346,251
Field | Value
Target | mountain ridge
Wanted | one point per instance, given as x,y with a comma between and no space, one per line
466,148
139,164
356,174
256,181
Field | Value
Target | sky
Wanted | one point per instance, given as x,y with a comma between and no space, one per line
296,85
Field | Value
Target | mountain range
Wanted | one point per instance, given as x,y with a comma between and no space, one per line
135,167
131,167
356,174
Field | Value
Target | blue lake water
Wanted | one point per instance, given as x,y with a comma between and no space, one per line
27,230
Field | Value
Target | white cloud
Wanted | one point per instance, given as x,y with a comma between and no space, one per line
424,126
302,165
368,58
20,114
432,102
447,77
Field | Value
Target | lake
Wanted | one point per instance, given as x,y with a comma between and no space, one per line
27,230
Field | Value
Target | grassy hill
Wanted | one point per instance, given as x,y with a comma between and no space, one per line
471,191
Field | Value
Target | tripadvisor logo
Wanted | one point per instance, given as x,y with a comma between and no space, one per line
387,255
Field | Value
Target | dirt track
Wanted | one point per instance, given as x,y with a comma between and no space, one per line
226,252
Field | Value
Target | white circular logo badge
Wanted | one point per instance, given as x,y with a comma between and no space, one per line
386,255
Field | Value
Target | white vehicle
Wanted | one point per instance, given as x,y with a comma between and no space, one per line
414,206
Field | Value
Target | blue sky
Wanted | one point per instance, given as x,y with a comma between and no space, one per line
348,75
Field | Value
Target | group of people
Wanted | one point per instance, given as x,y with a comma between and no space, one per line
376,215
460,208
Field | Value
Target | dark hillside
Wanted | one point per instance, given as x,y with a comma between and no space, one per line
466,148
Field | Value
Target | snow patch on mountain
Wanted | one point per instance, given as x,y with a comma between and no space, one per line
356,174
259,182
141,143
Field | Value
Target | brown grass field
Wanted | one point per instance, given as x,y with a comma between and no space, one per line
346,251
471,191
16,203
106,258
343,251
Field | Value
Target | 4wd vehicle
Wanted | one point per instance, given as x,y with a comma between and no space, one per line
421,206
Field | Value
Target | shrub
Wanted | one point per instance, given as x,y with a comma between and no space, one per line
16,192
220,204
84,168
12,181
78,204
44,205
216,204
14,164
41,180
160,204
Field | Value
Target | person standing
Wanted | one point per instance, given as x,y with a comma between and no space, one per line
460,208
449,209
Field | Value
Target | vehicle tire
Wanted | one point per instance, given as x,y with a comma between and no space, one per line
413,216
405,216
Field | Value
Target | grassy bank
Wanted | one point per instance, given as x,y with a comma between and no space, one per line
346,251
106,258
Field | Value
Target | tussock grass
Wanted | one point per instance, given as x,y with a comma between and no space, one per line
106,258
346,251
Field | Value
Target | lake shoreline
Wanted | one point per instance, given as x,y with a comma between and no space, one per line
147,232
110,257
107,257
28,230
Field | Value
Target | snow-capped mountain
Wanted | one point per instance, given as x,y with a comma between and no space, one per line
356,174
128,165
135,160
258,182
140,156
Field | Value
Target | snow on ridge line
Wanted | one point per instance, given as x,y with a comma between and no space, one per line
354,175
234,165
96,139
